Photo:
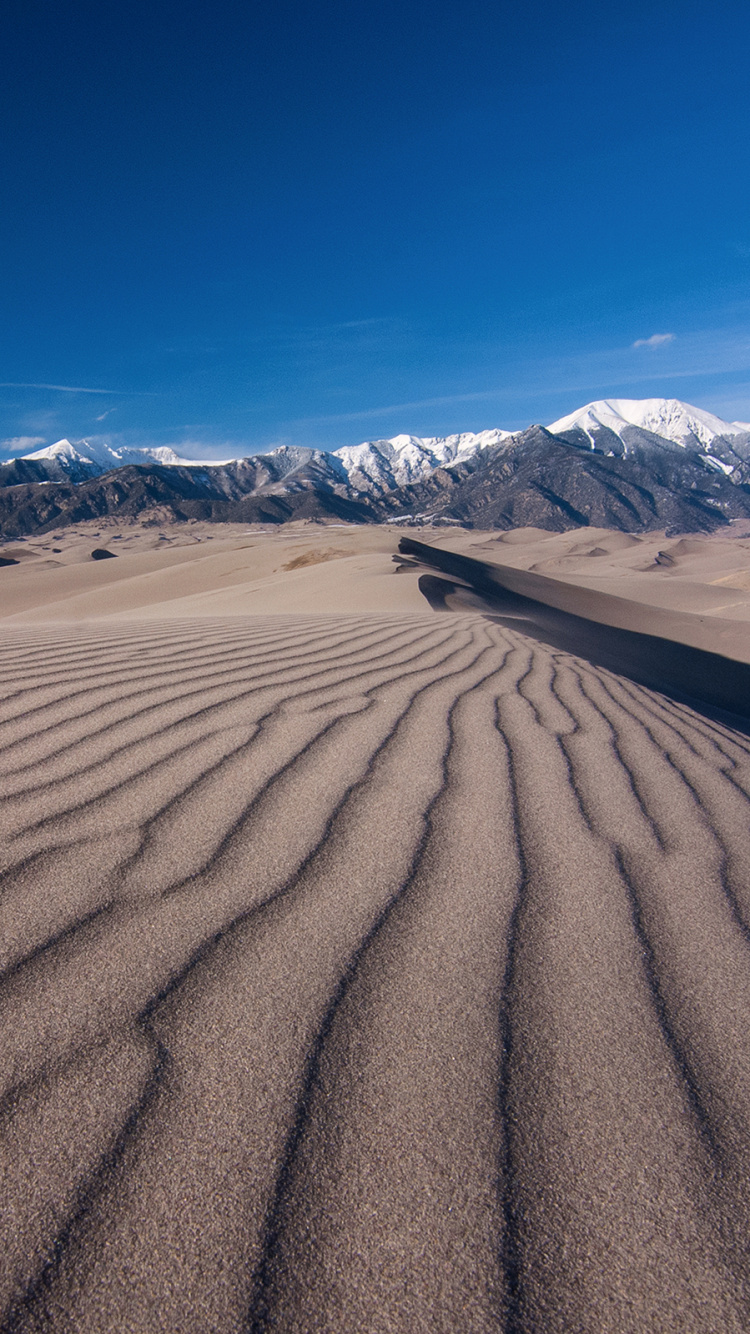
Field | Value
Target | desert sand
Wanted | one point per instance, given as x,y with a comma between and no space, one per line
694,589
364,967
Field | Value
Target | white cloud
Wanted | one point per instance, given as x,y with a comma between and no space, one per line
656,340
24,442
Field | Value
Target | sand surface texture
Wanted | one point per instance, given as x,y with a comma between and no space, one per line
379,971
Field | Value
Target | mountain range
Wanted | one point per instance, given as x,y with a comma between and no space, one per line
630,464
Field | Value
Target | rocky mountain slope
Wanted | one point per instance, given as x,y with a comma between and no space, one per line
167,495
539,479
604,465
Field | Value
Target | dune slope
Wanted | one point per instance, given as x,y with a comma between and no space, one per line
382,973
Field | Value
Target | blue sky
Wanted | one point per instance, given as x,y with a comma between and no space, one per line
236,225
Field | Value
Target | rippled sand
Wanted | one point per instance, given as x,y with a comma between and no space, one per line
367,973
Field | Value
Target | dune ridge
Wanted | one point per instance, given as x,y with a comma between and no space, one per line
380,972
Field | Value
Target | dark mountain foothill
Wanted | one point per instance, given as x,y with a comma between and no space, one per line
213,495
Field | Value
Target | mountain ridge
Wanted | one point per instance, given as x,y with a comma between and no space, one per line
602,464
610,426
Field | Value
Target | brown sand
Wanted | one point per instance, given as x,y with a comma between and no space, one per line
366,970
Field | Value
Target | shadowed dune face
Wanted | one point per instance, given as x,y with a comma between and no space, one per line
380,973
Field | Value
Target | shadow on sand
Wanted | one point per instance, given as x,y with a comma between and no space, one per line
712,684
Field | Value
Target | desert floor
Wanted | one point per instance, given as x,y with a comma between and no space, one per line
365,968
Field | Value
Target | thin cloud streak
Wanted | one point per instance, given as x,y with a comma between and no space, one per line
402,407
75,389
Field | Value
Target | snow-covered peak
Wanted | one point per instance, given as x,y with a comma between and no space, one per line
63,451
384,464
97,456
683,424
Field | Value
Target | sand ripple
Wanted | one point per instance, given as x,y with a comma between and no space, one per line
367,974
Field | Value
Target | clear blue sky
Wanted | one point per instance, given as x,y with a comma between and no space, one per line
316,223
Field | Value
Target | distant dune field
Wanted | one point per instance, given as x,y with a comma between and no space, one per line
365,971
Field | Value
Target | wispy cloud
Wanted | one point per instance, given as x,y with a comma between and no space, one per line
73,389
656,340
405,407
371,323
108,413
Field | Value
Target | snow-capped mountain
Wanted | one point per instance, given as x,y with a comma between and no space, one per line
627,464
667,417
89,458
381,465
616,427
372,468
630,464
619,425
609,426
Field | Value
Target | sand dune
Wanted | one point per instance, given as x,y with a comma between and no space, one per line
211,570
367,972
705,577
229,570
